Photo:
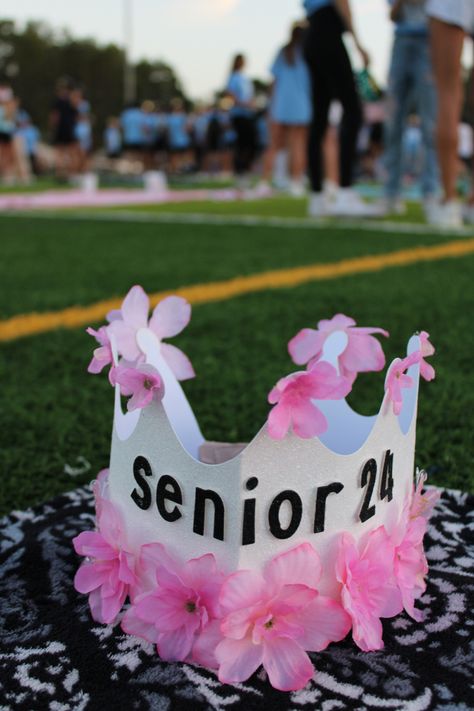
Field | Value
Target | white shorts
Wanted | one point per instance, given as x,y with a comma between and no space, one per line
453,12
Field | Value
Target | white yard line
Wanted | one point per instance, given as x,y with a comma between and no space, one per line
241,220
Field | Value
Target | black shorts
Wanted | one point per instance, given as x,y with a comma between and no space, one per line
376,133
160,144
64,135
5,137
180,149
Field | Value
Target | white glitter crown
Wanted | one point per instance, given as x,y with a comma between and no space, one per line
355,477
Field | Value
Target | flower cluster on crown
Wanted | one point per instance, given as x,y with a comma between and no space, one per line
234,623
293,397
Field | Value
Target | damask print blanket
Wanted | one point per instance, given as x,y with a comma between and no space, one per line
53,656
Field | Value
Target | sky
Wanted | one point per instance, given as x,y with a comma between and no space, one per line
199,37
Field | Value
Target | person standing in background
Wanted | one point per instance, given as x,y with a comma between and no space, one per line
113,138
240,89
30,137
133,131
200,125
7,129
179,137
63,119
332,78
450,22
290,110
410,84
82,130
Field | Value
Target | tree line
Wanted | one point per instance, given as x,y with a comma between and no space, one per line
33,57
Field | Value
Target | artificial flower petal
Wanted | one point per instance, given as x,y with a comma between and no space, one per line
287,664
323,621
135,308
204,648
300,565
89,577
307,344
178,362
134,625
238,659
170,316
176,645
241,589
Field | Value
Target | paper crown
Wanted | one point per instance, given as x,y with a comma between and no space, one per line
279,549
355,477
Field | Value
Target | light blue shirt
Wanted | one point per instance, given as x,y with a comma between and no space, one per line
150,124
6,124
30,136
291,99
200,125
413,20
83,133
312,5
132,125
112,139
178,136
241,88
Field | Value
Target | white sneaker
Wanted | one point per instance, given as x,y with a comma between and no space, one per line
430,204
330,189
296,188
318,205
348,203
262,189
445,214
392,206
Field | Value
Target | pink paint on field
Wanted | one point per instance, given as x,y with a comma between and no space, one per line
52,199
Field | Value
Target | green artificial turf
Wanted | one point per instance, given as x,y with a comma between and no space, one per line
53,412
51,263
279,206
37,186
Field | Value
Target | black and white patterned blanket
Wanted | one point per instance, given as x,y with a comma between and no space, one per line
53,656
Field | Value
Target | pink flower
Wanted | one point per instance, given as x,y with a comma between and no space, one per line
427,349
169,318
396,380
410,564
102,356
143,382
180,612
108,571
271,618
293,398
124,324
369,590
423,503
363,352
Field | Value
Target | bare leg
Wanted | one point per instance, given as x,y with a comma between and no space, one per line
60,161
297,141
446,47
331,155
6,159
277,142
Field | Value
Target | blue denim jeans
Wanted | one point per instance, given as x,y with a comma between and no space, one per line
410,89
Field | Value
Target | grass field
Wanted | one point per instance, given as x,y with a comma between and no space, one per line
53,412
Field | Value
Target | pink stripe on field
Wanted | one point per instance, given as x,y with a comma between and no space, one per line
108,198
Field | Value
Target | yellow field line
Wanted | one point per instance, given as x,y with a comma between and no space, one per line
74,316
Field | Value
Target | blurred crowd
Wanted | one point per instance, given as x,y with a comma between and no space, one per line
318,128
